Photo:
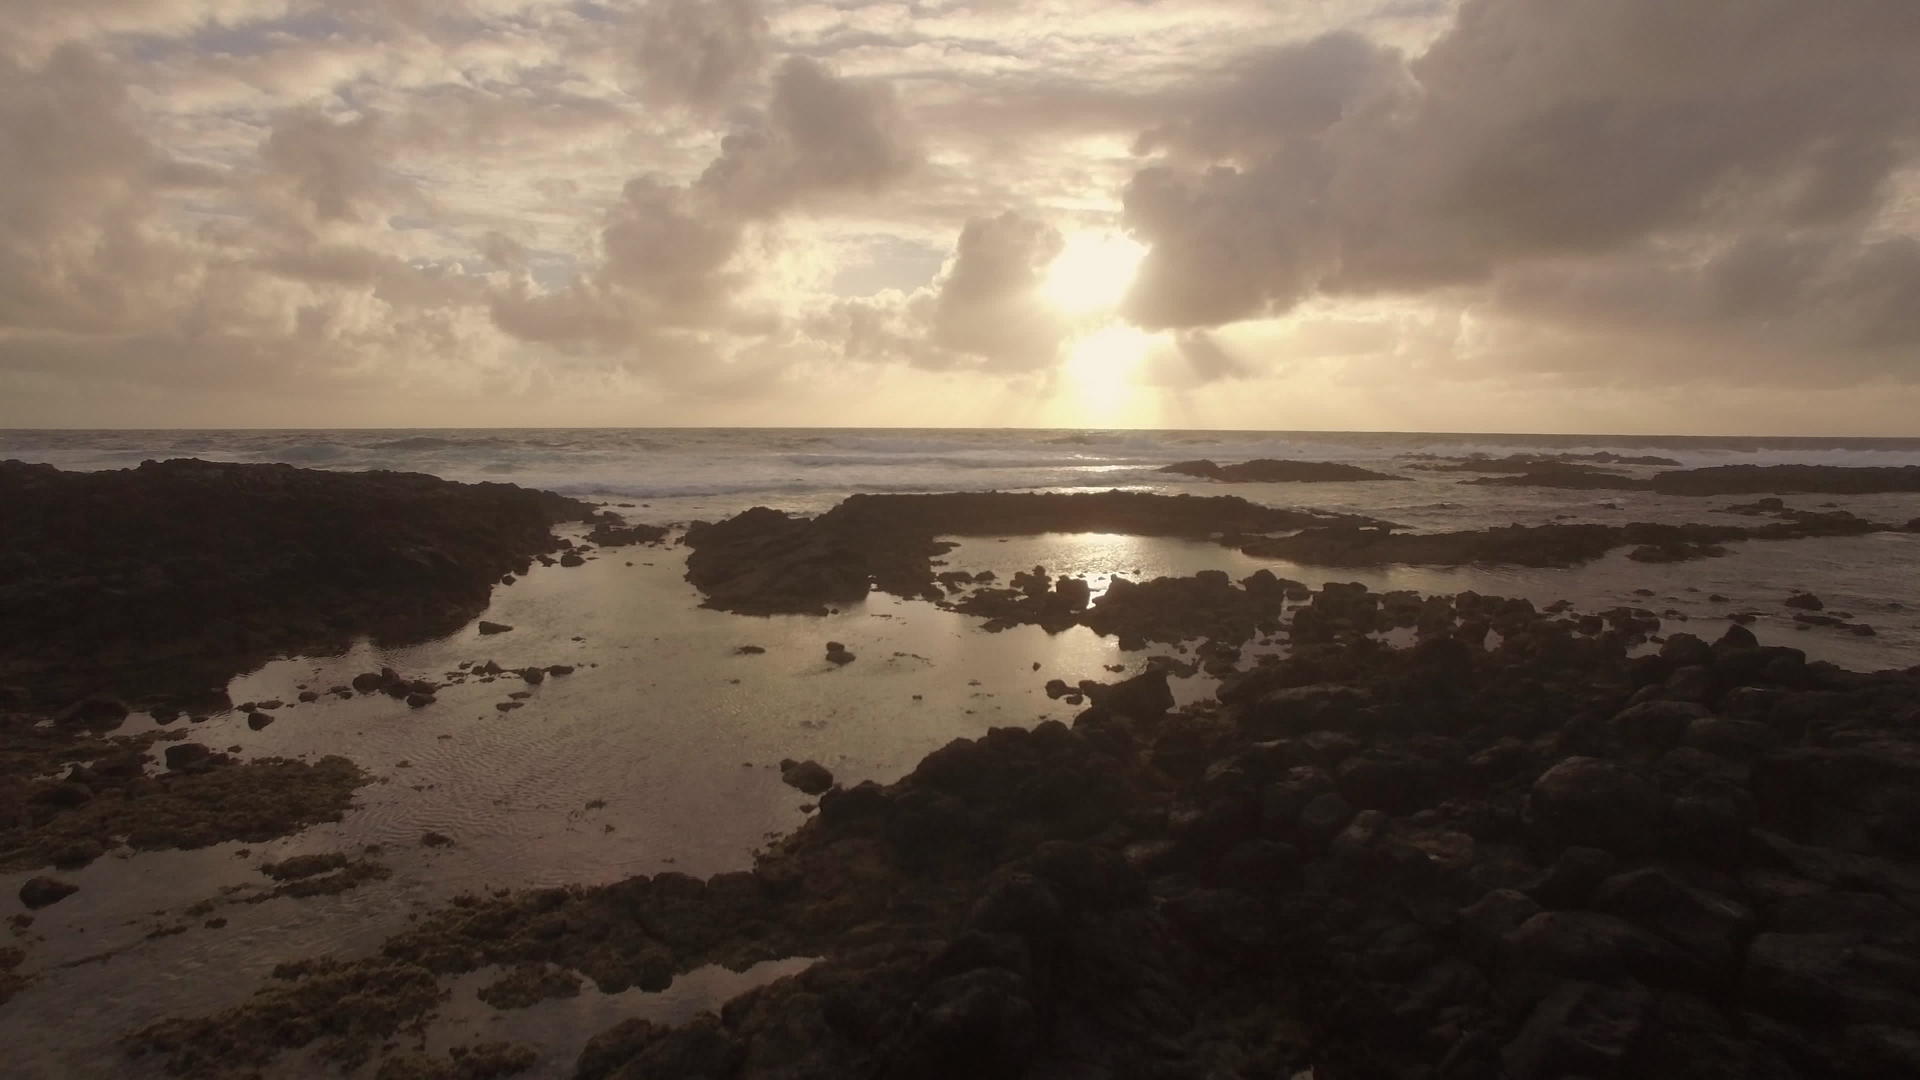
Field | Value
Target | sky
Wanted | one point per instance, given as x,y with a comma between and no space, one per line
1634,216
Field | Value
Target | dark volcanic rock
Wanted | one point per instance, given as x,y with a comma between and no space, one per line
809,776
1557,475
764,561
1268,470
38,892
1537,545
1734,479
302,560
183,756
1595,803
610,530
1581,1029
1787,479
1194,891
1520,463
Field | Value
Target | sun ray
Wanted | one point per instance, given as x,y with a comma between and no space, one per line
1101,369
1092,272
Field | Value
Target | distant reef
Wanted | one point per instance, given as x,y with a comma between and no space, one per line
1723,479
1271,471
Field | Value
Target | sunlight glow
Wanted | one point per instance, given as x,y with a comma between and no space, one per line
1092,272
1101,371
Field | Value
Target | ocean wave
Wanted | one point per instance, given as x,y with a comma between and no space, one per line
946,461
438,442
303,453
713,488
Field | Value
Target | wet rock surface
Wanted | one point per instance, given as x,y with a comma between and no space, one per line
1445,860
207,799
302,560
1519,463
1270,471
765,561
1542,545
1723,479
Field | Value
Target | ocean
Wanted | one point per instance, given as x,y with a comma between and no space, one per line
809,467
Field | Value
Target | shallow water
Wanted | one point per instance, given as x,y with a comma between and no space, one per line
678,737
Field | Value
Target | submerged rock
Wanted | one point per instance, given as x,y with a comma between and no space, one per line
809,776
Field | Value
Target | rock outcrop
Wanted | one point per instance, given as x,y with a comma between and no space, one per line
172,576
1271,471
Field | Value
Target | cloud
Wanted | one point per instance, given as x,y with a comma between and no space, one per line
1624,150
984,311
711,201
334,167
664,265
77,183
699,53
668,252
821,135
988,304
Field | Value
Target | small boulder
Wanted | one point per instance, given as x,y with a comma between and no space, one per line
185,756
1594,803
38,892
1573,877
809,776
1143,697
1656,723
1580,1029
838,654
1805,602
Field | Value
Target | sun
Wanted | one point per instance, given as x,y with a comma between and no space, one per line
1102,370
1092,272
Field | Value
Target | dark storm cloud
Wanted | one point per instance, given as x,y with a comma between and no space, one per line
1743,154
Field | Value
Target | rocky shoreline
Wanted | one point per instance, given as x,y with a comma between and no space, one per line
764,561
1270,471
148,589
170,577
1718,480
1411,836
1514,848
